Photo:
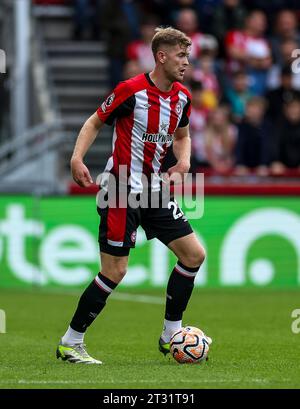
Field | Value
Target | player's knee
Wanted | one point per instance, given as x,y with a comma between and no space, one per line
201,255
120,273
115,272
195,257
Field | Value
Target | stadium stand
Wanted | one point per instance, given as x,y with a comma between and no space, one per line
242,54
79,76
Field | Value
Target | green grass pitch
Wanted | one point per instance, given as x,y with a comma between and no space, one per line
253,344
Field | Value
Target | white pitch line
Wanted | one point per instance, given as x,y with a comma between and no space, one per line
147,299
150,381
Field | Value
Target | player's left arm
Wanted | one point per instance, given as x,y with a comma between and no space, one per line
182,152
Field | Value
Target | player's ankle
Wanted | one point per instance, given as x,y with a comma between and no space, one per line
169,328
72,337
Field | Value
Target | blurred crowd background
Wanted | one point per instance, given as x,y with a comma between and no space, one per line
243,72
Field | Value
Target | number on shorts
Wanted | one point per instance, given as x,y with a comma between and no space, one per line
175,208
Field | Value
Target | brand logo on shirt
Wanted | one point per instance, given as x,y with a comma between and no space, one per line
146,106
109,100
178,108
164,127
157,137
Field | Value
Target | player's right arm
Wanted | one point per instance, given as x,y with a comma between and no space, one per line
86,137
119,103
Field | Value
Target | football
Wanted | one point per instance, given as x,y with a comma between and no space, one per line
189,345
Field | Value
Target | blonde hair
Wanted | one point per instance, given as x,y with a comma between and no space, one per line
169,36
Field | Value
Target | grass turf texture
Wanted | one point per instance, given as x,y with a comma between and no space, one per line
253,345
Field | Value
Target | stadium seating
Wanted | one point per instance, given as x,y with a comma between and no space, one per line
79,75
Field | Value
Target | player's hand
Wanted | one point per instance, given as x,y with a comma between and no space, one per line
177,173
80,173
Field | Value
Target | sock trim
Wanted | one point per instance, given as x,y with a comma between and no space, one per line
191,269
102,285
185,272
111,284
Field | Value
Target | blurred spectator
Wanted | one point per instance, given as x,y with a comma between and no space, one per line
229,15
253,144
286,28
281,95
249,71
205,10
197,127
87,18
140,50
238,94
287,140
120,21
274,74
248,47
206,74
131,69
220,140
187,22
270,7
179,5
160,8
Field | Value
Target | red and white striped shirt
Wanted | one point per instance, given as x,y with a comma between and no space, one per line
146,119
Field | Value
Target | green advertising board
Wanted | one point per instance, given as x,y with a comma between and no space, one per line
52,241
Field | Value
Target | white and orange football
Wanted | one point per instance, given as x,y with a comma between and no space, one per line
189,345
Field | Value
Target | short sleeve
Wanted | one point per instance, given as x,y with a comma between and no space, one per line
110,109
186,112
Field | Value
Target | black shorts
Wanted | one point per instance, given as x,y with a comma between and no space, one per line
118,226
